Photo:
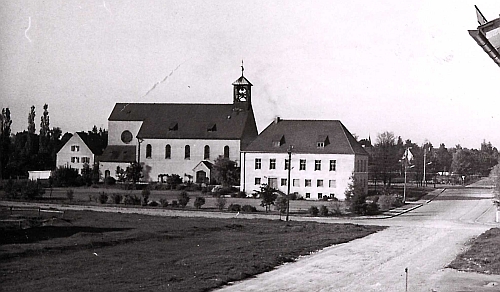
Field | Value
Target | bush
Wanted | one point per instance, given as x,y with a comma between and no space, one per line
32,190
198,202
117,198
153,204
372,208
220,203
387,202
337,208
65,177
234,208
131,200
183,199
248,209
70,194
323,210
164,203
12,189
241,195
175,204
145,196
313,210
110,181
103,198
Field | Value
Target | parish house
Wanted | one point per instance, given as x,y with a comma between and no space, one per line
324,155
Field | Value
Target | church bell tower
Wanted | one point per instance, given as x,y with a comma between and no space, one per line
242,92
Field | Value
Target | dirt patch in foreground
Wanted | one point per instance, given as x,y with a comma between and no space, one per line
93,251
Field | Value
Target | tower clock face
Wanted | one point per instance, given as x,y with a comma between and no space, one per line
242,94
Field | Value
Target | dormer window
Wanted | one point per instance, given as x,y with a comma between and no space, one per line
174,126
212,128
322,141
278,140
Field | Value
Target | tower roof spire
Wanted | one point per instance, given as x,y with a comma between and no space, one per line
242,69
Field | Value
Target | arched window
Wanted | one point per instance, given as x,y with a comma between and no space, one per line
187,152
168,153
149,149
206,152
226,151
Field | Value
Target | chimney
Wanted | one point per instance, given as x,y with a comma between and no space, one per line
277,119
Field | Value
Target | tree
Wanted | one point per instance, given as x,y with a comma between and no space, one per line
198,202
183,199
355,196
120,174
386,156
31,120
5,123
268,196
134,172
44,130
282,204
462,162
225,171
443,159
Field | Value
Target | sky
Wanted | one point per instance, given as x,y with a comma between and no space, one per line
408,67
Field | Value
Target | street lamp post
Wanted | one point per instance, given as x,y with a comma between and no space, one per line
288,182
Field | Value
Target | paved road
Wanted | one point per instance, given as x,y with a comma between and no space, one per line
424,240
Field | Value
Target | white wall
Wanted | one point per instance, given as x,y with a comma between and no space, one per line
344,168
157,164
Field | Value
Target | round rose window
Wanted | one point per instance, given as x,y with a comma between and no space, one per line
126,136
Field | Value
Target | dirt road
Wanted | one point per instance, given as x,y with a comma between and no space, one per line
424,241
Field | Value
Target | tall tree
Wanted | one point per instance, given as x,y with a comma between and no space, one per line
386,156
5,123
44,130
31,120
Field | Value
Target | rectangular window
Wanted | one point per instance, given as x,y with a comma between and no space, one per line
317,164
308,195
75,148
296,182
75,159
85,159
257,181
302,164
332,183
320,195
258,163
283,182
332,196
307,183
320,144
333,165
319,183
272,163
287,163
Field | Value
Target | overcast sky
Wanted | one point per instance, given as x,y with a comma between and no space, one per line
409,67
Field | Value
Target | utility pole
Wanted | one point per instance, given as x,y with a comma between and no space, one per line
425,163
288,182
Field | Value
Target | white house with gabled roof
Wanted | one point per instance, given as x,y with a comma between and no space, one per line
324,155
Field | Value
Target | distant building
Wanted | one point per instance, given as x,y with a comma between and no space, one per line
324,155
183,139
82,148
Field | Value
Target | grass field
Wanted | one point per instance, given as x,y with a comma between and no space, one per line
92,251
482,256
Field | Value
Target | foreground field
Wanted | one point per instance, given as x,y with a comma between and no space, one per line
91,251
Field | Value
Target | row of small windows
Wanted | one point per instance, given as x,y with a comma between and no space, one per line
296,182
77,159
187,151
302,164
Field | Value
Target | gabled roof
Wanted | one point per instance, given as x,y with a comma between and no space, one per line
184,121
93,141
242,81
118,153
303,136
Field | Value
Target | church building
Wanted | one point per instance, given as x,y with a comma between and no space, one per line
177,138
